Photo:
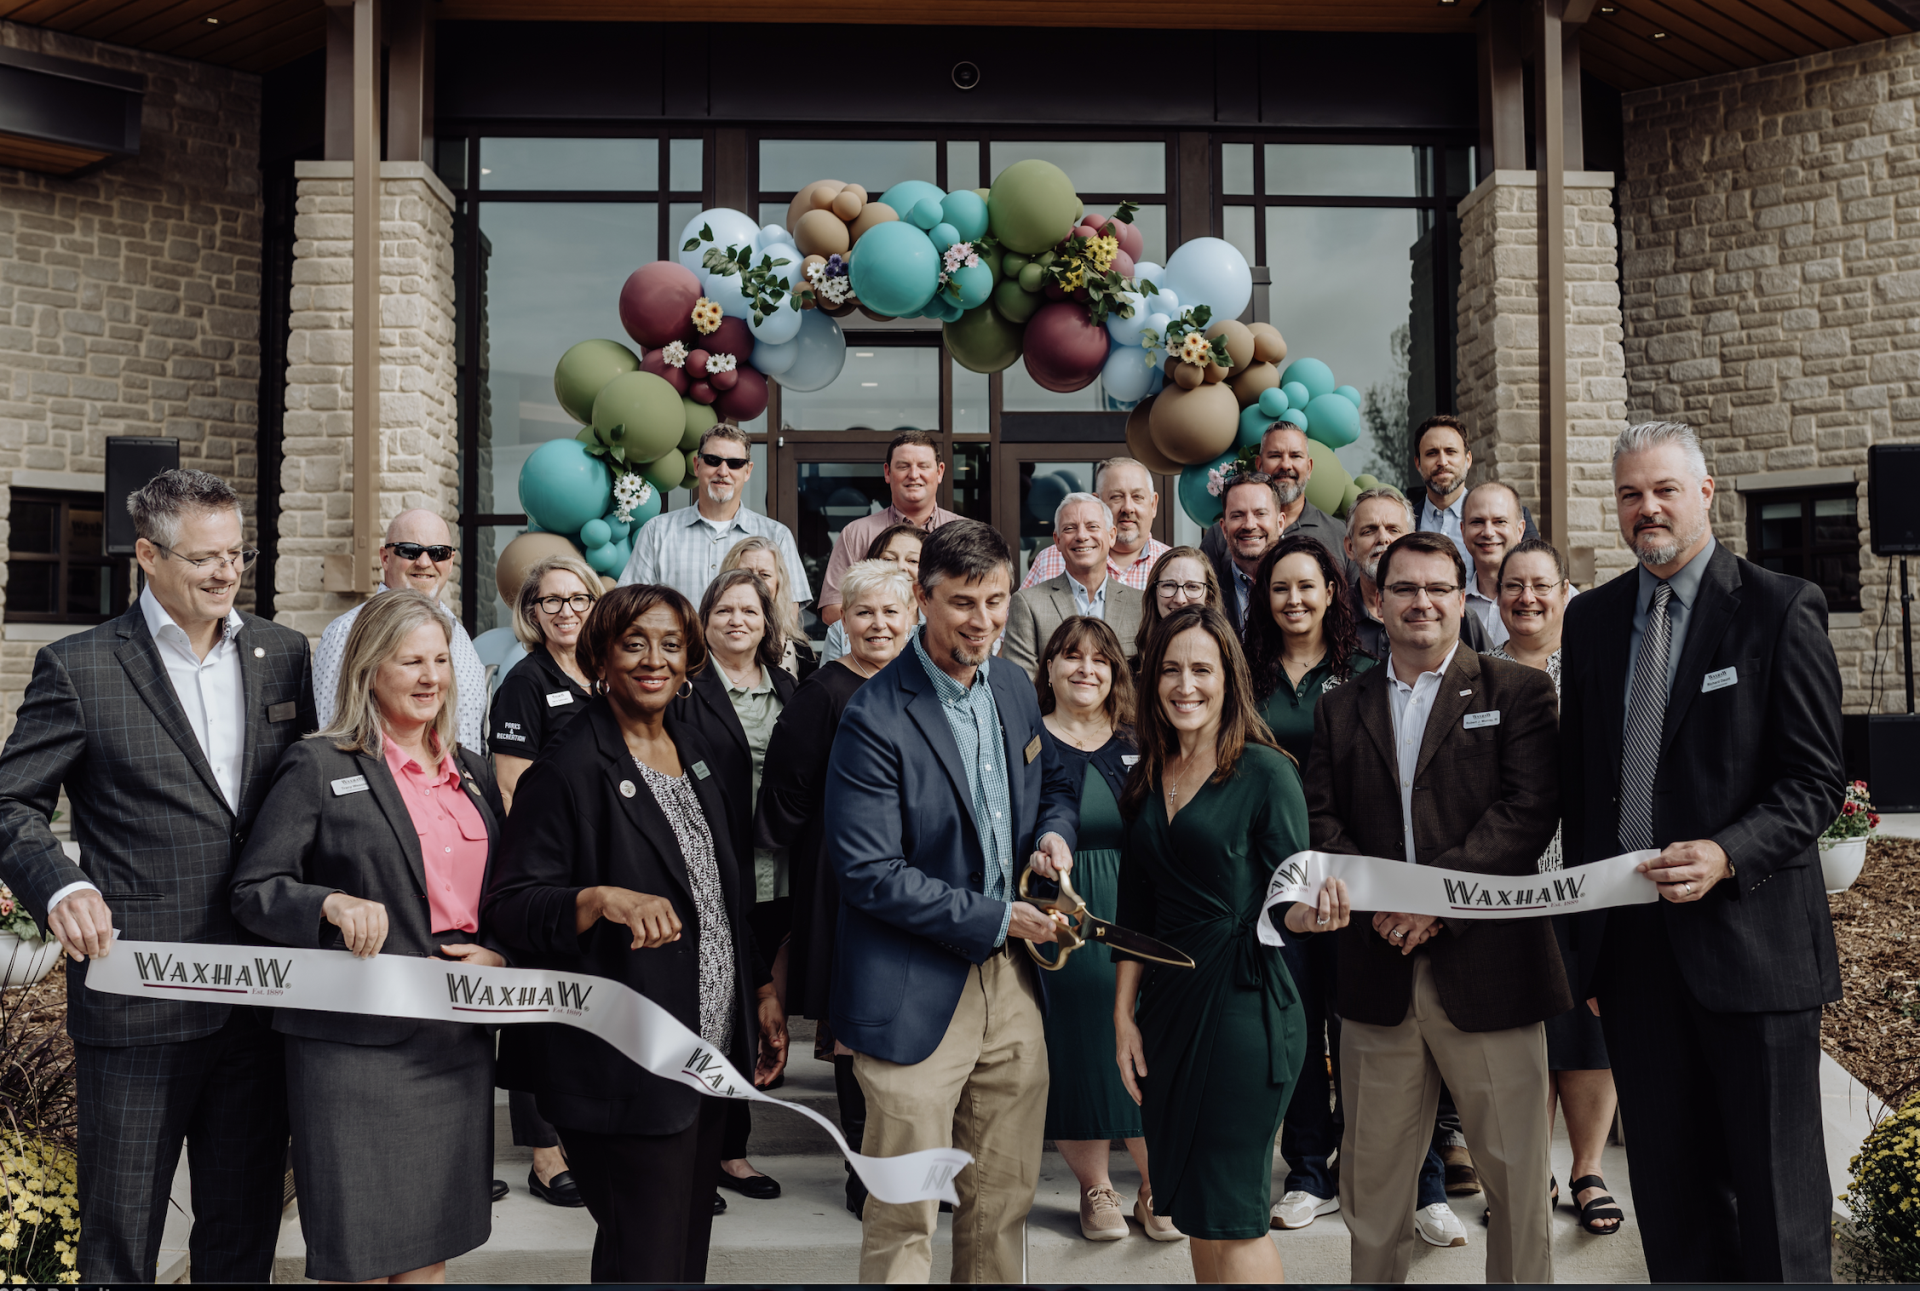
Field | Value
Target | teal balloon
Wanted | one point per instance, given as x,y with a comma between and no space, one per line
620,529
604,559
647,510
1202,506
1336,421
1254,422
1314,375
1299,417
1297,394
926,213
562,486
975,283
909,193
967,213
1348,393
895,269
595,533
1274,401
943,236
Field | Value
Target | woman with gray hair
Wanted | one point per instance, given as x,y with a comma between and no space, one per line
376,838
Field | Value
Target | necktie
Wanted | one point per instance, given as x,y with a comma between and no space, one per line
1646,715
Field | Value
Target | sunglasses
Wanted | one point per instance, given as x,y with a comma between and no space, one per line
731,463
411,551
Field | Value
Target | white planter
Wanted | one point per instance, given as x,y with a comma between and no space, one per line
22,963
1840,862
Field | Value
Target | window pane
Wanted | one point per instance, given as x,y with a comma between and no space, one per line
831,494
685,160
1236,168
34,528
1152,223
30,587
1019,392
1042,486
1341,170
679,215
770,213
972,491
969,402
89,590
963,164
1342,287
1848,507
86,532
788,165
1236,226
450,161
1127,169
586,165
553,277
881,388
1781,530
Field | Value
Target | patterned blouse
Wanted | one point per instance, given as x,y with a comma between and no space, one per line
1549,859
682,807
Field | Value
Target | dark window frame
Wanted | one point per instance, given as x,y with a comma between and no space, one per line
1809,550
64,560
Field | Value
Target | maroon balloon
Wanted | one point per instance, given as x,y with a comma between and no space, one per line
1130,240
724,381
657,300
1054,291
1065,348
747,399
1123,264
702,392
697,365
1085,230
733,336
658,365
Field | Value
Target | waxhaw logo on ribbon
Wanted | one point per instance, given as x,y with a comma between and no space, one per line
164,972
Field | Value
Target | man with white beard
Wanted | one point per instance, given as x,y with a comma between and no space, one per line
1286,459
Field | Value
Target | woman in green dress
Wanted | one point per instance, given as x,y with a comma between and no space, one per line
1213,808
1086,702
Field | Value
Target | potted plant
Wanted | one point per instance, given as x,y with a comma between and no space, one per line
26,953
1843,848
1884,1244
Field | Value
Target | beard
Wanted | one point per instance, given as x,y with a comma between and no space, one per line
1371,568
1654,550
721,493
966,658
1289,491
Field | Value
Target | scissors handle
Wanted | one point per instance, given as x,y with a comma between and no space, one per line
1068,936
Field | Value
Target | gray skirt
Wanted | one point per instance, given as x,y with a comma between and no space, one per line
392,1149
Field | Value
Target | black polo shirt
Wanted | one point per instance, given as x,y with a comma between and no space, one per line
532,706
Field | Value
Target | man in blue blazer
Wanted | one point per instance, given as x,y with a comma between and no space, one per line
939,790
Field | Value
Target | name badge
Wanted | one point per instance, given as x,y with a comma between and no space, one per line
1032,750
559,699
1128,759
700,770
280,712
1719,680
351,784
1474,721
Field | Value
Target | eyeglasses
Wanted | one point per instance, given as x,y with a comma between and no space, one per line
1412,591
578,603
1538,589
411,551
1192,591
731,463
239,560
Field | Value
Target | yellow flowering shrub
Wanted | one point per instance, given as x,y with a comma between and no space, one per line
40,1215
1884,1197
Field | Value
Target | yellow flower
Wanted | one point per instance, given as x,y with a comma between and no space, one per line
1196,348
1101,251
706,316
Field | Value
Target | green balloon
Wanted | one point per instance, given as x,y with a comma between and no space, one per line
1012,262
1032,205
993,259
585,369
699,417
980,340
666,472
640,412
1032,278
1016,305
1331,480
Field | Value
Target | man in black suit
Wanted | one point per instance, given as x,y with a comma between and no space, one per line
164,726
1700,714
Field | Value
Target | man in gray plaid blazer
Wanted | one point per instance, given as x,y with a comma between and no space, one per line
164,726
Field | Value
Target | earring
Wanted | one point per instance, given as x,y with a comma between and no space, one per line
686,688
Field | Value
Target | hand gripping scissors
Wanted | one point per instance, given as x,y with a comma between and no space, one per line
1082,927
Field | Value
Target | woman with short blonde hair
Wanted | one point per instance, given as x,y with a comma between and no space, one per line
763,558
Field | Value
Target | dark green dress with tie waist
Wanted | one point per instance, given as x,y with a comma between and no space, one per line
1224,1040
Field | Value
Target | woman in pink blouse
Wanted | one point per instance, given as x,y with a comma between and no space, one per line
375,839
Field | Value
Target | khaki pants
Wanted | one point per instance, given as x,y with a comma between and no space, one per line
983,1090
1390,1079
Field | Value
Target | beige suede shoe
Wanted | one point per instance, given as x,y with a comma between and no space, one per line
1158,1227
1101,1219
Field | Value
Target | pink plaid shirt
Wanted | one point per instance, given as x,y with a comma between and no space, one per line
1048,564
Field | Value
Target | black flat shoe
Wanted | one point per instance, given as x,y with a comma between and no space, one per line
719,1204
562,1191
500,1189
756,1186
1600,1210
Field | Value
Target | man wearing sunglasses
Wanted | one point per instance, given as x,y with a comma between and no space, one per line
417,554
684,548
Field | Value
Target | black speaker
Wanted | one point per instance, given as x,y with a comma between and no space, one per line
131,462
1893,753
1893,498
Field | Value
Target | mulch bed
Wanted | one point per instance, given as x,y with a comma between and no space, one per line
1874,1030
36,1056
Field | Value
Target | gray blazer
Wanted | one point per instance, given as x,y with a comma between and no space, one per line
1036,612
312,841
156,835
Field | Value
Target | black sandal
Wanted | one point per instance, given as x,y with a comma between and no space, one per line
1553,1199
1598,1210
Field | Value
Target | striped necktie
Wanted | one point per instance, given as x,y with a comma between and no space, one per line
1646,715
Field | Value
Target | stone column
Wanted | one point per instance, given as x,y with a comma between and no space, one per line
1499,350
419,454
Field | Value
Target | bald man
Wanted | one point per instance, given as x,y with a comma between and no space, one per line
417,554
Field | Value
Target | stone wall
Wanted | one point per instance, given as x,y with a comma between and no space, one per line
130,298
418,461
1772,277
1499,348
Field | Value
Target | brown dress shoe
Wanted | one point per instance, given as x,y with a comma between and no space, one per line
1462,1179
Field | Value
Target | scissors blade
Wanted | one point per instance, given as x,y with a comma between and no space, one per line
1135,943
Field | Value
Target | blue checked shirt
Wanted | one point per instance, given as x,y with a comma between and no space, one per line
975,723
683,549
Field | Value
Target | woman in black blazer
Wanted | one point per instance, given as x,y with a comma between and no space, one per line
626,870
376,838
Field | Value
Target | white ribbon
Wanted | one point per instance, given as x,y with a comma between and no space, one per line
439,990
1377,883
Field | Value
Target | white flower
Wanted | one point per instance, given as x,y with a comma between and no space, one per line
721,363
630,491
1217,480
675,354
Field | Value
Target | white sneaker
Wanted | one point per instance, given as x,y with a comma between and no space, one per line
1299,1208
1439,1226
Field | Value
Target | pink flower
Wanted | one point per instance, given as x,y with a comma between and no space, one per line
6,906
1849,807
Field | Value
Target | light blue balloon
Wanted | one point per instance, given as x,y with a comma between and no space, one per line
909,193
820,351
1126,331
1254,423
975,283
1336,422
1211,272
1145,271
1313,375
724,291
894,269
773,360
731,228
926,213
620,529
1297,394
1200,504
1157,324
595,533
1127,374
562,486
1166,303
964,209
773,233
779,327
1348,393
1273,401
943,235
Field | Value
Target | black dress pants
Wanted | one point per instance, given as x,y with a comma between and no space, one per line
224,1094
651,1196
1722,1112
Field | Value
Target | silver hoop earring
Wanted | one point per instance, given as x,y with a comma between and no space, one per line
686,688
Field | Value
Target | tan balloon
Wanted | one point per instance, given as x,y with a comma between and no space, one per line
1240,345
1253,382
608,582
871,214
803,201
511,566
1194,426
855,188
821,233
1268,345
847,205
1140,440
1215,374
1187,375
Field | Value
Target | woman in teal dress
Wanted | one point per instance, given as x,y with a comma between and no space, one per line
1211,1053
1086,702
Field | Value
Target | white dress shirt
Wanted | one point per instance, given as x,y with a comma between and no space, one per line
469,675
1412,705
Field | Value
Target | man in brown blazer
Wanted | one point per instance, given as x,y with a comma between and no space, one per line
1443,757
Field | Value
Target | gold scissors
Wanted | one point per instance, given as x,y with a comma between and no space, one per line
1082,927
